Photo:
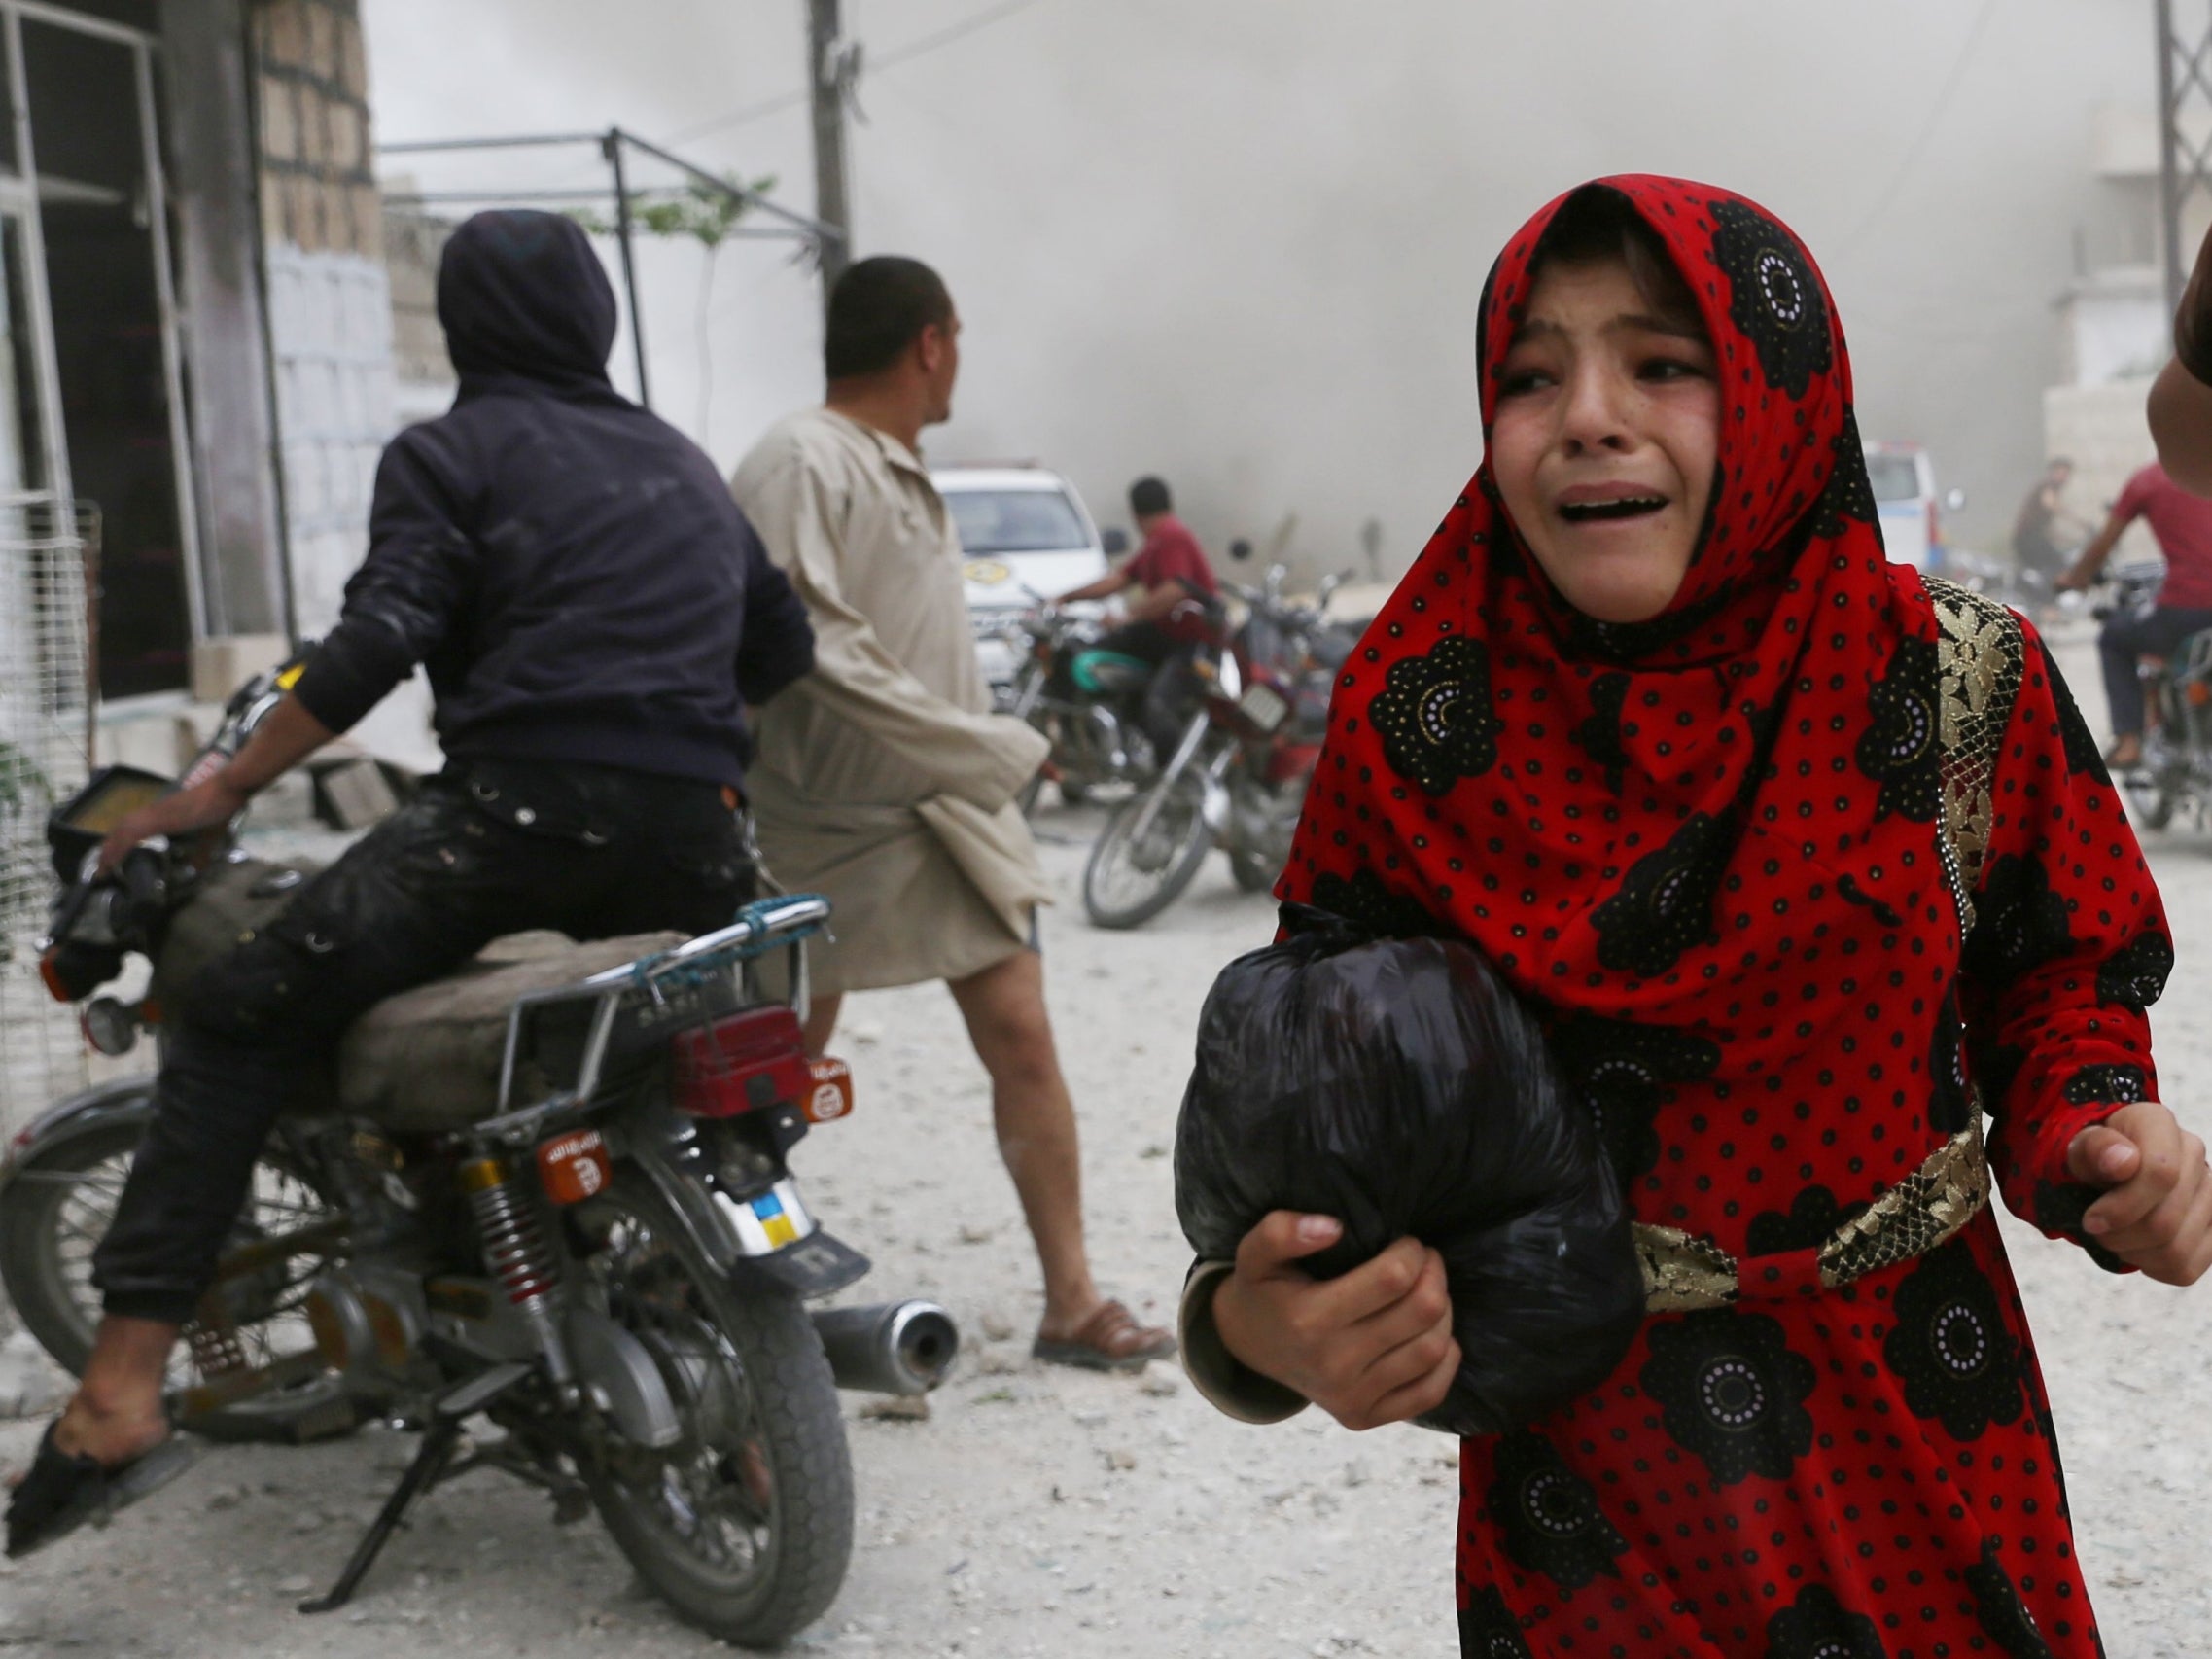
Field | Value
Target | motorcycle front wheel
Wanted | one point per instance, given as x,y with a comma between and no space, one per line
744,1526
1131,878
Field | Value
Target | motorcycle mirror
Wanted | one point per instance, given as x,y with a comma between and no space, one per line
1114,542
1240,550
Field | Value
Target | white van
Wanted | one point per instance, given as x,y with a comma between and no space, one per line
1904,496
1027,536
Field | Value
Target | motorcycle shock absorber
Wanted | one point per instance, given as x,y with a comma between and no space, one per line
517,1255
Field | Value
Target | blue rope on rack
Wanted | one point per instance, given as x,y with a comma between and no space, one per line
700,969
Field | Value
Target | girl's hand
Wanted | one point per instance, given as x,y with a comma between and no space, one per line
2158,1215
1374,1345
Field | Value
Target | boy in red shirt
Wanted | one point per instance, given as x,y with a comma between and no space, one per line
1167,613
2182,524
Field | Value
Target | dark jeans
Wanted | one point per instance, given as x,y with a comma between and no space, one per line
485,849
2123,641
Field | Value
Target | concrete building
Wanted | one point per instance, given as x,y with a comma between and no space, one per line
197,327
2113,330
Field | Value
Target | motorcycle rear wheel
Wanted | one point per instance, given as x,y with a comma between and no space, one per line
58,1208
1255,872
745,1527
2151,797
1127,883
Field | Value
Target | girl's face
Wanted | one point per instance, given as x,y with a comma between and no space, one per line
1604,443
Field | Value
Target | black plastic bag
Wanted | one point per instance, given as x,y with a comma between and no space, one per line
1400,1086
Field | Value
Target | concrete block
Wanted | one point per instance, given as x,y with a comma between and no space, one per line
321,41
220,665
348,131
284,33
280,120
306,213
353,794
314,128
353,59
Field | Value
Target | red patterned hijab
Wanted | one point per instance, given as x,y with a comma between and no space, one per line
1675,834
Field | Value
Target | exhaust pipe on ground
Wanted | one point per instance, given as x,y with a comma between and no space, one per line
888,1348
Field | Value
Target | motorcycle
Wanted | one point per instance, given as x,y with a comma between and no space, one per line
1237,778
552,1193
1096,746
2176,767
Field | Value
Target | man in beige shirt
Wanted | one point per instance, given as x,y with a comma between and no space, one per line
884,780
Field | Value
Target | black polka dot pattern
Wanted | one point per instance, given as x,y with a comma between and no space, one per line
1734,1390
1708,845
2004,1616
1552,1522
1901,750
1775,297
1665,903
1625,1072
1949,1346
1487,1629
1434,715
1817,1626
2135,976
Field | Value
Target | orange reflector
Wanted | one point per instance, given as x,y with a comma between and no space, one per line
574,1166
832,1095
2199,693
49,971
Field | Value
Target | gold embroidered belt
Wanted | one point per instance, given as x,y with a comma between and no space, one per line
1683,1272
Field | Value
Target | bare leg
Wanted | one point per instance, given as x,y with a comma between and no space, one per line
115,1413
1036,1120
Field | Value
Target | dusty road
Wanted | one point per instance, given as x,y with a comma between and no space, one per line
1043,1512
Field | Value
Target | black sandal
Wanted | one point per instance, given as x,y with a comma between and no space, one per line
63,1490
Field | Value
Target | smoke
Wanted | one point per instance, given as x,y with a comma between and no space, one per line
1240,243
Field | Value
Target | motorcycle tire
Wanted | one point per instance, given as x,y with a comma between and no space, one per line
2151,798
1125,886
1254,873
762,1435
48,1230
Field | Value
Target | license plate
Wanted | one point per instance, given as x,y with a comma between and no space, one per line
769,1221
1264,706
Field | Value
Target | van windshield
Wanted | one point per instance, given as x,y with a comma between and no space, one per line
1016,522
1896,478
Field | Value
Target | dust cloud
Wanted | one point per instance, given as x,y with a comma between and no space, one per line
1240,242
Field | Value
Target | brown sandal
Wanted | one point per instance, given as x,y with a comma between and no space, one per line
1109,1340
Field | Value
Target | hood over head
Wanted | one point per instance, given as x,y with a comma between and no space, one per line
521,293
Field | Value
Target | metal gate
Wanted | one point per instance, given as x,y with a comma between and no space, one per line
49,550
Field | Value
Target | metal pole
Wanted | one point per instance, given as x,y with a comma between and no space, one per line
611,146
826,60
2169,185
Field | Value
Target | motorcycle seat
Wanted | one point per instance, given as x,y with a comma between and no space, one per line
426,1059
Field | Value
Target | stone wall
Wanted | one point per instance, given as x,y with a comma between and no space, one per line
2103,431
329,299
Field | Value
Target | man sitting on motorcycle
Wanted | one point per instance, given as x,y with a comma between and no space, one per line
594,614
1166,616
2182,524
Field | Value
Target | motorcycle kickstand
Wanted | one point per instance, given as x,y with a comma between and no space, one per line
438,1443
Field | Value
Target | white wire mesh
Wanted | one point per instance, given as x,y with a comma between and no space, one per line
47,547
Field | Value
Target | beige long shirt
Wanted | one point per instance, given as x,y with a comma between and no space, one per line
883,778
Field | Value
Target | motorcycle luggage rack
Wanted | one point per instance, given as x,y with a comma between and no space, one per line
764,926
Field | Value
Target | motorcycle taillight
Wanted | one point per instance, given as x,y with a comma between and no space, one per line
744,1062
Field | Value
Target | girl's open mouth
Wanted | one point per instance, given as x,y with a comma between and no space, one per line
1623,507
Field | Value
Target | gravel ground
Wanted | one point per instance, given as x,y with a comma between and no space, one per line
1045,1512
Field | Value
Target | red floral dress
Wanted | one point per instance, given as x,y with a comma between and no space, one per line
1712,849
